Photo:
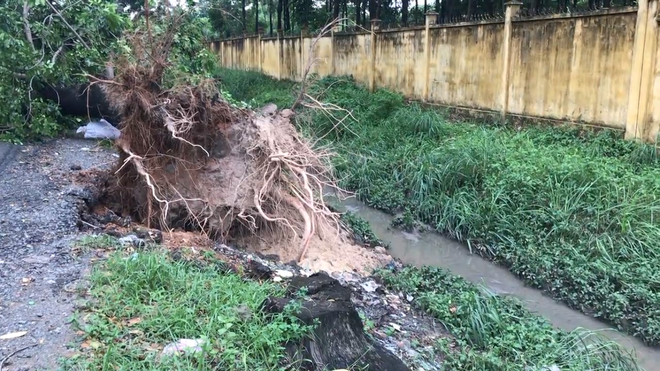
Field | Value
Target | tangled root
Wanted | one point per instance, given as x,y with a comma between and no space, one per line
191,160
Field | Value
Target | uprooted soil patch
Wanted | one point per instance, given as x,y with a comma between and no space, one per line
191,161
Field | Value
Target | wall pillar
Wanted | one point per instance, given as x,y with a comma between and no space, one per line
332,52
302,54
261,69
280,56
431,19
512,9
643,65
222,54
375,25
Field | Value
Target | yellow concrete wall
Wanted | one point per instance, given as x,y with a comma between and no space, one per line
351,56
291,58
322,53
270,57
654,126
400,62
575,68
465,65
565,67
241,53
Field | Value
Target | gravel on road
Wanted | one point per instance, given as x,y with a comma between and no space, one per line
40,201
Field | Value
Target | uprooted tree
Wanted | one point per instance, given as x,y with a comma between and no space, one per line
49,46
189,159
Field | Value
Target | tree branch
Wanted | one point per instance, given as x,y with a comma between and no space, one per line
26,23
67,24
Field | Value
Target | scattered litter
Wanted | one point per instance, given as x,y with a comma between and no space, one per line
132,239
409,297
99,130
284,274
183,346
369,286
395,326
13,335
277,279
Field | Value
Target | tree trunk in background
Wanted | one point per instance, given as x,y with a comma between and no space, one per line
470,9
607,3
490,8
358,12
270,16
443,11
364,13
244,18
287,16
256,17
404,12
426,8
279,15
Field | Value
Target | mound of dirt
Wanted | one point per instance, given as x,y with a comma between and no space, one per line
192,161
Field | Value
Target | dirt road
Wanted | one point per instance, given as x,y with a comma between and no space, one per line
39,203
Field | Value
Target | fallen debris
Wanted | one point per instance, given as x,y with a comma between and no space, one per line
183,346
339,340
190,160
99,130
13,335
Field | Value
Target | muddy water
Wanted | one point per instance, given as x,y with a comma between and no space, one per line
432,249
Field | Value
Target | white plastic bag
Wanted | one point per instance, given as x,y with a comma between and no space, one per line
99,130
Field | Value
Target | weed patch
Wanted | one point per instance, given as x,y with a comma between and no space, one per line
570,211
496,333
146,300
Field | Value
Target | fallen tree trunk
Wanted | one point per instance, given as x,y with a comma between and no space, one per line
82,100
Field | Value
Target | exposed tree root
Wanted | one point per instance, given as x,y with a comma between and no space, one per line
191,160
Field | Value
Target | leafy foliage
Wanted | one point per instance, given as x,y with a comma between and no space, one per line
64,43
49,43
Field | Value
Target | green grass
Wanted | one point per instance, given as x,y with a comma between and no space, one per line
141,302
499,334
570,211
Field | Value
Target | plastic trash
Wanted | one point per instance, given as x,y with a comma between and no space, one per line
183,346
99,130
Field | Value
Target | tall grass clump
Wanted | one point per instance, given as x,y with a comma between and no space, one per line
256,89
571,211
142,302
498,333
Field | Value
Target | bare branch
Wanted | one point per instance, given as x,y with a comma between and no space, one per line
26,23
68,25
310,63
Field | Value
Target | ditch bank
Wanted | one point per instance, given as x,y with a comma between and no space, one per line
428,249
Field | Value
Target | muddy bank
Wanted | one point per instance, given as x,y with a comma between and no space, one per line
431,249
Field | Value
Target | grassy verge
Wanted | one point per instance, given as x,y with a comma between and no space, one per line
498,333
139,303
572,212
